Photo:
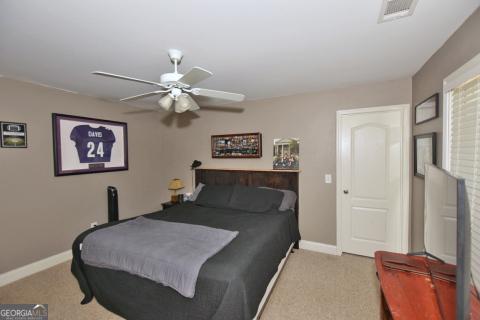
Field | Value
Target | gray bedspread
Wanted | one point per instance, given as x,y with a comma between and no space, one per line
169,253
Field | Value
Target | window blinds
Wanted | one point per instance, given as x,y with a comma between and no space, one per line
464,155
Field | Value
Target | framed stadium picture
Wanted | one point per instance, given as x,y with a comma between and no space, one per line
239,145
13,134
87,145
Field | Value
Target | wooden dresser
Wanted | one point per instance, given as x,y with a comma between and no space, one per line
414,295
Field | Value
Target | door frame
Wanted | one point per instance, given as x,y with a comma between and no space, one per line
404,235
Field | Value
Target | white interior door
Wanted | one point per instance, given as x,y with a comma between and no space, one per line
372,179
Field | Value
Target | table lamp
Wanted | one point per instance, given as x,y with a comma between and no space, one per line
175,184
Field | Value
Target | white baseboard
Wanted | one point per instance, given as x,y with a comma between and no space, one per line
319,247
37,266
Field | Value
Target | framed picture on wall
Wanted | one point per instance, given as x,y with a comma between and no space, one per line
425,151
239,145
286,154
13,134
87,145
427,109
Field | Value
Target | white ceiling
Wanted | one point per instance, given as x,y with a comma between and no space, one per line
262,48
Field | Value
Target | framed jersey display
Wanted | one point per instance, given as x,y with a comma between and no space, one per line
86,145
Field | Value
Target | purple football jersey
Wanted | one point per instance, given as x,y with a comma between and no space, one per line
93,144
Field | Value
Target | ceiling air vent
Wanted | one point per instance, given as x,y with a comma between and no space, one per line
396,9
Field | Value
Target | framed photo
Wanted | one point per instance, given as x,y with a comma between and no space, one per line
427,109
425,151
240,145
87,145
13,134
286,154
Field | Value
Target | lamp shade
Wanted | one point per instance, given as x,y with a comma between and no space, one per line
175,184
166,102
183,103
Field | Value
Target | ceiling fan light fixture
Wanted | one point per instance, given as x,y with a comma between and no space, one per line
166,102
183,103
176,87
193,104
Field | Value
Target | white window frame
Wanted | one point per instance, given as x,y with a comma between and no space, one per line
466,72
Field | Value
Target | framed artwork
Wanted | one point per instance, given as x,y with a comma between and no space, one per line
427,109
425,151
13,134
87,145
240,145
286,154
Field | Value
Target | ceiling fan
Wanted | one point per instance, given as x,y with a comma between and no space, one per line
176,88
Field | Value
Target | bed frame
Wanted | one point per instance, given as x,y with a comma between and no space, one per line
284,179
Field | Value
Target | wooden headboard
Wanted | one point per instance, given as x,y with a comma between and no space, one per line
278,179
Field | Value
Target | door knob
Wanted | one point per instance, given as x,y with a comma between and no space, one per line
345,191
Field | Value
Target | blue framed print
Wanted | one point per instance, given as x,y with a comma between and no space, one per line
87,145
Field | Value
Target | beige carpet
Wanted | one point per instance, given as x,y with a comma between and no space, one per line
311,286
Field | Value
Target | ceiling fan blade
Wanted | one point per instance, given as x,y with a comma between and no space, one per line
144,95
195,75
117,76
218,94
222,109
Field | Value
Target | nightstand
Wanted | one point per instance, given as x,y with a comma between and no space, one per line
168,204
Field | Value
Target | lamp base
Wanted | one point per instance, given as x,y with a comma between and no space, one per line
177,198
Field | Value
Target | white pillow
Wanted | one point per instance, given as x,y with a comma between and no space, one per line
196,192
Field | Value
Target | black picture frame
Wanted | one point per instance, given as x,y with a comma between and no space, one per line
18,129
118,148
420,169
239,150
435,98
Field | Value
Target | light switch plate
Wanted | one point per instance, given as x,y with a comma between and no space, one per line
328,178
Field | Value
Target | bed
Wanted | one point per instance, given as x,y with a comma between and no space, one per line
233,284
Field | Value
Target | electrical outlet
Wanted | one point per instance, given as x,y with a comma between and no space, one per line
328,178
93,224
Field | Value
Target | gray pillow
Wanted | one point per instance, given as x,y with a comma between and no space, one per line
214,196
196,191
288,201
253,199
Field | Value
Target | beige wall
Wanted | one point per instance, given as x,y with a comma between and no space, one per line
41,214
310,117
463,45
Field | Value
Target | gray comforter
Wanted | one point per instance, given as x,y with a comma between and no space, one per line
230,284
169,253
